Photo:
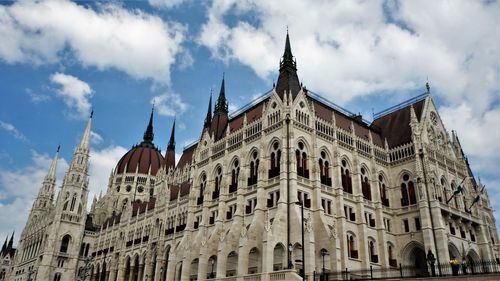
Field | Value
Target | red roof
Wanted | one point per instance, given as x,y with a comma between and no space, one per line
142,158
186,157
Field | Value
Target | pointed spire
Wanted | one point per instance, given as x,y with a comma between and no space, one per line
4,247
208,119
53,166
149,135
11,241
288,81
85,142
427,86
171,142
221,106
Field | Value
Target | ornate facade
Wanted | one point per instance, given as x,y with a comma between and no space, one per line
374,194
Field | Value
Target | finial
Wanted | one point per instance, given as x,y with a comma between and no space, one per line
92,113
58,148
427,86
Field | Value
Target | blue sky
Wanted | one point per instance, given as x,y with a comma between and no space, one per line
59,59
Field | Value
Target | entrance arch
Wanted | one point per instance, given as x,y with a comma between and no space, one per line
414,258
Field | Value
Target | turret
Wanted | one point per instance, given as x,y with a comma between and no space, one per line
220,119
170,154
208,118
288,81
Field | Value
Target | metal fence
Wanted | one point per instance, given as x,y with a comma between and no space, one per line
404,271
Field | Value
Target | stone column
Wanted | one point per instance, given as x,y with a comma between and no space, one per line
159,268
140,270
131,273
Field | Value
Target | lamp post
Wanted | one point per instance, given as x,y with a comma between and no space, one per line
323,254
431,260
290,249
161,274
212,261
301,204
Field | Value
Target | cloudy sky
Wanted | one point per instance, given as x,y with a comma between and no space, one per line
60,59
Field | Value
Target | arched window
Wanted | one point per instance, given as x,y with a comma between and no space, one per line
365,185
218,182
445,191
275,160
203,185
254,169
352,251
301,158
346,177
65,243
383,191
324,169
235,172
73,201
392,260
408,196
372,251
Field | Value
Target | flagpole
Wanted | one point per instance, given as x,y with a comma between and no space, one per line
455,192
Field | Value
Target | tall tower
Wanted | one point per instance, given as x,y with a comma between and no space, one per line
44,201
61,251
220,119
170,153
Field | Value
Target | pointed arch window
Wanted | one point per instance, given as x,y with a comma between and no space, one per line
408,195
383,191
365,185
324,169
235,172
372,251
65,243
73,201
346,177
301,159
254,169
218,182
352,251
203,185
275,160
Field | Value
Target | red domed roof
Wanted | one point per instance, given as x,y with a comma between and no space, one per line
143,157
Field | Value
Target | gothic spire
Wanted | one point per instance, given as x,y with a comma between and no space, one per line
11,241
208,119
221,106
171,142
288,81
4,247
149,135
85,142
53,166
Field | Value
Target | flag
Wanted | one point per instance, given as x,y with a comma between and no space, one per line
478,197
459,190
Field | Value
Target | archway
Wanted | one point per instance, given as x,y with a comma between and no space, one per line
254,261
279,257
232,264
414,259
193,270
212,267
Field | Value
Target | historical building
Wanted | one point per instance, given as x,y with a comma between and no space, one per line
6,256
376,194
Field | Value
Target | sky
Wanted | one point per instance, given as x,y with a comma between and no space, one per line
61,59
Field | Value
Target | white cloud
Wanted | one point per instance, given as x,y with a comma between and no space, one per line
11,129
165,3
101,163
20,187
109,36
95,138
36,97
75,93
169,104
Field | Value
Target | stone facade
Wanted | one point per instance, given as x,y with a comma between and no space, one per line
376,194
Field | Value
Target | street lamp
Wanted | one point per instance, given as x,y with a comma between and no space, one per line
212,261
431,260
301,204
323,254
290,249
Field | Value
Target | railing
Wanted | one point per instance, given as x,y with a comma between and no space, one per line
325,129
402,152
344,138
401,271
253,131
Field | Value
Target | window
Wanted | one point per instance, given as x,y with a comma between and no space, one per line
352,251
324,169
230,211
213,217
349,213
327,206
218,181
383,191
275,160
197,221
346,178
301,159
387,224
452,229
372,251
304,199
369,219
203,186
417,224
392,262
365,185
408,196
254,169
406,225
250,207
65,243
235,172
472,236
73,201
462,232
273,198
151,192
